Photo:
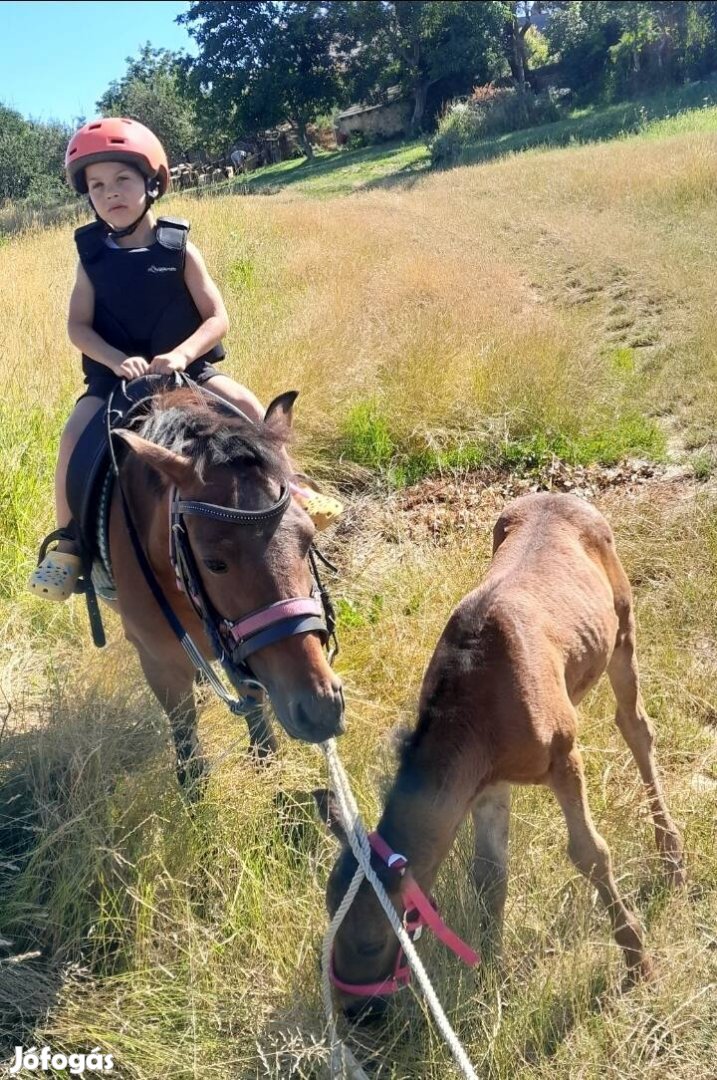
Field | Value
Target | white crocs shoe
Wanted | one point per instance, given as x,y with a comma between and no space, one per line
56,576
322,509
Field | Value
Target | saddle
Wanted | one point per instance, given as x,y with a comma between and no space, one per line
90,482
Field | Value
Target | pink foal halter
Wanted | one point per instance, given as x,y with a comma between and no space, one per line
419,911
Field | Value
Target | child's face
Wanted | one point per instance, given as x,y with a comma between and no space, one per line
117,192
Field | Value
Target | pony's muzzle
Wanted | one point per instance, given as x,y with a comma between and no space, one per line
316,717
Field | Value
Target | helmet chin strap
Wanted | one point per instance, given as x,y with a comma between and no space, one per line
151,188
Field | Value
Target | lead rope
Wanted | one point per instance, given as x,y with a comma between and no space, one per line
343,1064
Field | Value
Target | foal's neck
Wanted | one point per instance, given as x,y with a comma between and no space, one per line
421,816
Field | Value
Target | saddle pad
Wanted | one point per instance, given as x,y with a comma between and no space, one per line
102,577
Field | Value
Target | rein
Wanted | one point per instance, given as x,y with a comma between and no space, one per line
419,911
233,641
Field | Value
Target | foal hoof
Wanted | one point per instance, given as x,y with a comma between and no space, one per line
644,971
673,861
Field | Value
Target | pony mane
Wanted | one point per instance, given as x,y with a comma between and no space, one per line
210,433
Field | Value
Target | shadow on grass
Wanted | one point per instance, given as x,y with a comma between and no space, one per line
58,848
561,1015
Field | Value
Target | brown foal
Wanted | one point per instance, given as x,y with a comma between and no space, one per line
212,456
498,707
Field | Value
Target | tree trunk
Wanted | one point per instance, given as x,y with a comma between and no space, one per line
304,142
420,95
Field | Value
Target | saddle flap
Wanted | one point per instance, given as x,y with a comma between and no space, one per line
91,461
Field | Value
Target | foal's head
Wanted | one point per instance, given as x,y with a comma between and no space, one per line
212,455
365,948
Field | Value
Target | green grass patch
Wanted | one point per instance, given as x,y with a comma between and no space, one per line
368,439
242,275
28,444
333,172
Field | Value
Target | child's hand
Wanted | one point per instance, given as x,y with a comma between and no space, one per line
166,363
133,367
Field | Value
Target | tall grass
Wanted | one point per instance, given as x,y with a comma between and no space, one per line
559,304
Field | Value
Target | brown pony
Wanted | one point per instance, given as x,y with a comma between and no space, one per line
248,541
498,707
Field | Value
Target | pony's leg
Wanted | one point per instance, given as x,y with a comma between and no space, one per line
491,822
173,686
262,741
590,854
637,730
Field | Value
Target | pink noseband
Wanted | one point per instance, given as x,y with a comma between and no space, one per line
419,911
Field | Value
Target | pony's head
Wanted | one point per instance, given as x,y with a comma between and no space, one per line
206,458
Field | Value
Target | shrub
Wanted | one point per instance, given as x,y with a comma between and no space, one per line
491,110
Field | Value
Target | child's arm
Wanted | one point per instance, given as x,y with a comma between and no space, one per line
88,341
210,305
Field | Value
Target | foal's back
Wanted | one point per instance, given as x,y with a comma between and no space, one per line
558,580
521,650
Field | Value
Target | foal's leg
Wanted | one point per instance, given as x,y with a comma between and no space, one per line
491,821
590,854
637,730
173,686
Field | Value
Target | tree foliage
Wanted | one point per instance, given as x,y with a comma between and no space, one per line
32,158
264,63
153,90
418,45
615,48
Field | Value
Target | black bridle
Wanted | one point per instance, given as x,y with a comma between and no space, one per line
233,641
239,638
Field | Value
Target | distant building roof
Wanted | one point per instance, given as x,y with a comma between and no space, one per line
392,95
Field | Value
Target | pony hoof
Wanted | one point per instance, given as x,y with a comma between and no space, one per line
262,754
193,778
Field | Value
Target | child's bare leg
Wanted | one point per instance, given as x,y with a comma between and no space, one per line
80,417
322,509
236,394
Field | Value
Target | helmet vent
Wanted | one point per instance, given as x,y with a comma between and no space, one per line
120,141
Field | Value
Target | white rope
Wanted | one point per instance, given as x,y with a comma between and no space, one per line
359,843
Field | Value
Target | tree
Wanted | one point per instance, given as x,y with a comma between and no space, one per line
153,91
419,45
265,62
616,48
32,157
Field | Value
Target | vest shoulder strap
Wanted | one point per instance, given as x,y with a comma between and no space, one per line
90,241
172,233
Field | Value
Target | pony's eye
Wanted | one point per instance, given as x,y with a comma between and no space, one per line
216,566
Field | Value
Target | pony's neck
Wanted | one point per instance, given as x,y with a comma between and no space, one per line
150,515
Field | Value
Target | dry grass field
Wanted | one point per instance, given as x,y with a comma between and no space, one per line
456,339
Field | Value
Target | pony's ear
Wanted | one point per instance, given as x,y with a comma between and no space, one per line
176,468
279,415
329,813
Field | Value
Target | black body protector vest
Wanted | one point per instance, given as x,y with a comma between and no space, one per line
142,305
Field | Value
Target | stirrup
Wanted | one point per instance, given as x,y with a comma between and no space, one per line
56,576
322,509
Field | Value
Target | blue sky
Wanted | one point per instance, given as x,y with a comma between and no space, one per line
58,57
